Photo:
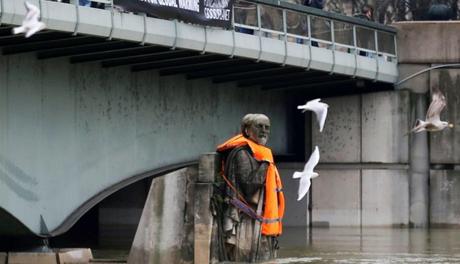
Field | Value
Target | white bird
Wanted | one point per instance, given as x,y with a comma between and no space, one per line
319,108
433,121
307,174
30,24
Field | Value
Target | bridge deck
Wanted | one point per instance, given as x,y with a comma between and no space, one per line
334,52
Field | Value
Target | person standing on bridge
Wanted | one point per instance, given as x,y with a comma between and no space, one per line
250,219
367,13
314,3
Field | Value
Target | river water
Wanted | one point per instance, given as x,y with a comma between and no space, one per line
369,245
357,246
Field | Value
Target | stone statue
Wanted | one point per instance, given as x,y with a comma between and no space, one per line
253,206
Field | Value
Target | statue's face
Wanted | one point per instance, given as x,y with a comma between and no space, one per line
259,130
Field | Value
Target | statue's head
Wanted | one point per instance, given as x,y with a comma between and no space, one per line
256,127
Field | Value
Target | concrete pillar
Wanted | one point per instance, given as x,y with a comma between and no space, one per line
445,198
166,223
336,197
419,169
207,171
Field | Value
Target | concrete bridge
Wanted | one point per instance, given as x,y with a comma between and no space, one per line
103,99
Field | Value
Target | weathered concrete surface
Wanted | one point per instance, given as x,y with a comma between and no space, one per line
165,232
296,211
428,41
419,168
203,223
418,84
336,198
364,139
385,118
421,45
208,168
385,198
66,124
445,145
445,198
340,140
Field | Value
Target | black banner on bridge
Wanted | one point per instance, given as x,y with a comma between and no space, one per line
205,12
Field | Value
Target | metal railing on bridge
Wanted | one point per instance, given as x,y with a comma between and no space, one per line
309,26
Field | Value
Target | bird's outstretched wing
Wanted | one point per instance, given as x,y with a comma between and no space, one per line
438,102
319,108
313,160
33,13
305,107
35,28
304,186
321,115
305,176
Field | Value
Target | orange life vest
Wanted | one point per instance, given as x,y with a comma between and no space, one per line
274,197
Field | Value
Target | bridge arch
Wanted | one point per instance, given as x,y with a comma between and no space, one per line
90,203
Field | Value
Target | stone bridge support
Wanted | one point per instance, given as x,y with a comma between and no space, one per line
435,156
176,225
165,231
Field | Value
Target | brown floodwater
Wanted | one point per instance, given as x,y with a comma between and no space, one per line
369,245
357,246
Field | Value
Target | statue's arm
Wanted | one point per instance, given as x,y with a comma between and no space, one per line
249,175
244,166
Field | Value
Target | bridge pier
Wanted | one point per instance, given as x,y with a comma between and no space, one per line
165,231
434,156
419,197
203,219
176,225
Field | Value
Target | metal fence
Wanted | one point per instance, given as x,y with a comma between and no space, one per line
315,28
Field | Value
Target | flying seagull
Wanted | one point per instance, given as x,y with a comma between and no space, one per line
30,24
433,121
319,108
307,174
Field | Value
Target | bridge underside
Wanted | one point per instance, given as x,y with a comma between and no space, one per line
193,64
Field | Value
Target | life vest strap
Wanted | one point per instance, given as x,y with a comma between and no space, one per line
251,213
271,221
